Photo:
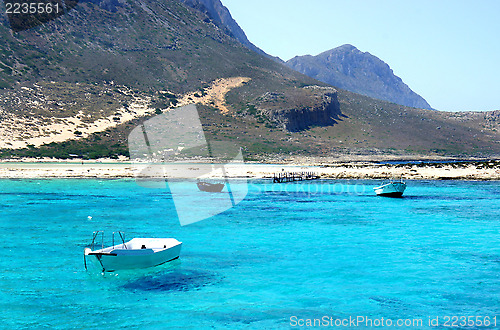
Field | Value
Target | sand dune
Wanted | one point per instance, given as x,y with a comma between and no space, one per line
19,132
215,95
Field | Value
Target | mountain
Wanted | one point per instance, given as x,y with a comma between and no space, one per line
150,45
81,82
348,68
220,15
94,79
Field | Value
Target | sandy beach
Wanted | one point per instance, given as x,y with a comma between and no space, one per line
484,170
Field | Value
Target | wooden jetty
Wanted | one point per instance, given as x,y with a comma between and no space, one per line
281,177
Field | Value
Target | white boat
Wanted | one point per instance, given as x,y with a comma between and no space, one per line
391,189
136,253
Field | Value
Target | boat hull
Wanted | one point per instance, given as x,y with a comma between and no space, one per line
118,258
391,194
393,189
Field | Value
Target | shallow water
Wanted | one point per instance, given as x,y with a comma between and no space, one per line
312,249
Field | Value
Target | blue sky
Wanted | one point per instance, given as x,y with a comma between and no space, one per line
446,51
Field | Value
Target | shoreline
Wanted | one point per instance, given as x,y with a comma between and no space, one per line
473,170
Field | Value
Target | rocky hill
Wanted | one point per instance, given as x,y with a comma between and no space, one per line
348,68
220,15
80,83
73,78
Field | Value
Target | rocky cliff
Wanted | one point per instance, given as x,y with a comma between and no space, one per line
348,68
306,107
220,15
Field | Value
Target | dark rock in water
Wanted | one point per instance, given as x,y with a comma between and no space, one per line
348,68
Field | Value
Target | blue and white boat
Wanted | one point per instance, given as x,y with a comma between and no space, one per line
391,189
136,253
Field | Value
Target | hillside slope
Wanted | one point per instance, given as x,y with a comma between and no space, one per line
222,17
149,45
75,86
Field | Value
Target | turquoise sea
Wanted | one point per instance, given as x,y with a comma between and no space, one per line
286,254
